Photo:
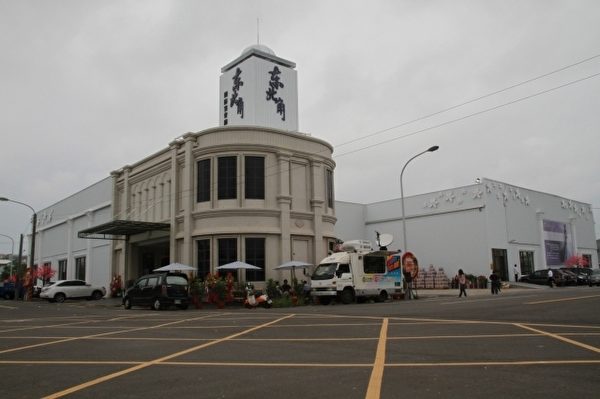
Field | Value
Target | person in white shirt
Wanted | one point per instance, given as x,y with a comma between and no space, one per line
550,278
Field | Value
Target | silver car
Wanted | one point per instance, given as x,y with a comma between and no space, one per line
69,289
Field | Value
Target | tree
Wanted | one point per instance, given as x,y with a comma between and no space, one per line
45,272
577,261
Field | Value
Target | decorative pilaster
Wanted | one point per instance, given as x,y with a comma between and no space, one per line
188,199
284,202
172,193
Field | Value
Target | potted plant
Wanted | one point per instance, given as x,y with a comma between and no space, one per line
220,292
196,292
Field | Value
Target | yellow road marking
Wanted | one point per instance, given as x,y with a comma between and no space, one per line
156,361
561,338
506,363
575,298
374,388
58,341
308,365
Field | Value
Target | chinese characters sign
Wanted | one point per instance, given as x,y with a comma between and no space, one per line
235,98
274,85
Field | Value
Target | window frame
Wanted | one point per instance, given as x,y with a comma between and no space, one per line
203,180
227,177
80,264
254,177
255,254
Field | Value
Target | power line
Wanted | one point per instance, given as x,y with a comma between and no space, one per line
468,102
469,116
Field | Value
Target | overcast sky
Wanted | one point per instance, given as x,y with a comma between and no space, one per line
90,86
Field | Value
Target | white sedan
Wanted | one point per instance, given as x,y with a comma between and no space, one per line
67,289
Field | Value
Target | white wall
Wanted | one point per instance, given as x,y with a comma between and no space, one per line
58,227
457,228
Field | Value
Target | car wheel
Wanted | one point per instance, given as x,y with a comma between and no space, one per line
127,303
156,305
97,295
60,298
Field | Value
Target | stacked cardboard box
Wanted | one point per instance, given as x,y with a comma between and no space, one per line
441,280
431,278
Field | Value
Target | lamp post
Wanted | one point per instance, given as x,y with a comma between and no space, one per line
33,225
430,149
12,253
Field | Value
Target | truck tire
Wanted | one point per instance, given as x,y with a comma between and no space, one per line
324,300
382,297
347,296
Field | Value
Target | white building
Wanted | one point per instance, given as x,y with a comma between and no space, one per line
57,228
256,189
480,226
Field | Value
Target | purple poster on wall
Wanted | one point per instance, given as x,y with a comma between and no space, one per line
557,242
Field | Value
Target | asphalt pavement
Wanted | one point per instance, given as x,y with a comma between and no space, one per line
522,343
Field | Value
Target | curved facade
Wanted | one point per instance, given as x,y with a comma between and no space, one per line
255,194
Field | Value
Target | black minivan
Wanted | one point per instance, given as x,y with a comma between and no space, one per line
158,291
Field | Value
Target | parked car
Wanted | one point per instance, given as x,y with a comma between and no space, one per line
158,291
570,276
541,277
581,273
61,290
7,290
594,277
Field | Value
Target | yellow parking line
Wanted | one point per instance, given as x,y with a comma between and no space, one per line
306,365
561,338
95,335
562,299
495,363
157,361
374,388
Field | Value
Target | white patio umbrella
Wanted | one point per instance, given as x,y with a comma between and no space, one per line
237,265
292,265
175,267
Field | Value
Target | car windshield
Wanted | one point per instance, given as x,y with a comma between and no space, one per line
324,271
176,280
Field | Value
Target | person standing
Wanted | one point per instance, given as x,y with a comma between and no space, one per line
550,278
462,283
516,272
495,281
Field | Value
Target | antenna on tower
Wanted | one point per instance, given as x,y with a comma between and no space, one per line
257,31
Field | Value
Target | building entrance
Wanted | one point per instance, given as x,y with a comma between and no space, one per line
500,263
150,257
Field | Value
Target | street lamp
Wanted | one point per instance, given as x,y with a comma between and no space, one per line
33,225
12,253
430,149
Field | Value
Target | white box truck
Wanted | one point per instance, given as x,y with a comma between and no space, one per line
357,272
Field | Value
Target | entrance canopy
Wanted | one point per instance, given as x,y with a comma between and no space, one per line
121,229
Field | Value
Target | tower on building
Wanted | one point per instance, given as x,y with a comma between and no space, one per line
259,89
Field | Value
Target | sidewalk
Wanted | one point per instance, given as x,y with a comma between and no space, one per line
422,294
512,287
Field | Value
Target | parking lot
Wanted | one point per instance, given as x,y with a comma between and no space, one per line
521,343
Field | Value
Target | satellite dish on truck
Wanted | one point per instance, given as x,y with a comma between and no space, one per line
383,240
